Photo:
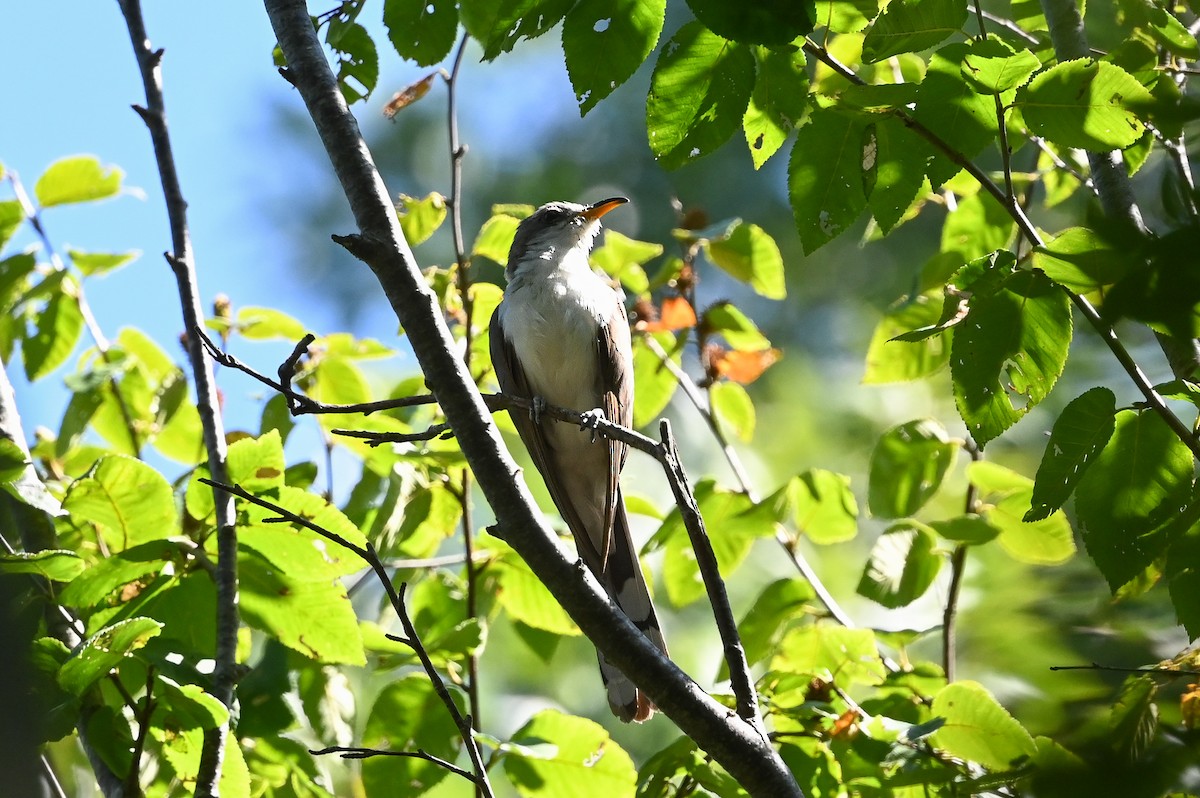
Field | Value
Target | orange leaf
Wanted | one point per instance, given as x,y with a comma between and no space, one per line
408,95
745,367
1189,706
846,725
676,313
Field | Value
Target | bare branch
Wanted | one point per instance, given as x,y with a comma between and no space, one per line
1095,666
366,753
184,268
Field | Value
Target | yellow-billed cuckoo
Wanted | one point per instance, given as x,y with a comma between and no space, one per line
561,337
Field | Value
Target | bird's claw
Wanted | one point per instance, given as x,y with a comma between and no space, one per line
591,420
536,408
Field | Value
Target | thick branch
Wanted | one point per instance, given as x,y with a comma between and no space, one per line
744,753
182,265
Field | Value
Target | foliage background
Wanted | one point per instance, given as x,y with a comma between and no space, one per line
261,238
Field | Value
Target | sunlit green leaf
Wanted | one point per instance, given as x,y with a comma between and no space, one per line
946,103
992,67
11,216
128,500
749,254
499,26
58,565
495,238
1009,353
907,467
825,176
978,729
777,104
586,760
896,176
832,653
1081,260
355,59
734,408
103,651
605,42
655,382
1084,104
93,263
903,564
891,360
763,625
969,528
80,178
420,216
823,506
738,330
1007,497
698,93
910,25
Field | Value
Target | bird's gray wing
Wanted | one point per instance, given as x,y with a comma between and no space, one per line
511,377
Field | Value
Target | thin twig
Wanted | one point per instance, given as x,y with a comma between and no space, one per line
132,784
183,267
369,555
1095,666
463,283
366,753
958,565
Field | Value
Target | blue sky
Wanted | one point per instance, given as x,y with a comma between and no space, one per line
221,94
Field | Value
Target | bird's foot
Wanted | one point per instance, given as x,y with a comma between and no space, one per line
536,408
591,420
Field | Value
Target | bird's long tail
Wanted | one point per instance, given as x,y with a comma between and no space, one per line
624,582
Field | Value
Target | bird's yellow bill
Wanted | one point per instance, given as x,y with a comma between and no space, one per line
598,209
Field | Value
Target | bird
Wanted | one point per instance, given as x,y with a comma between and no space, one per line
560,336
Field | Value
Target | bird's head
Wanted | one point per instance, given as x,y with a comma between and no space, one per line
556,228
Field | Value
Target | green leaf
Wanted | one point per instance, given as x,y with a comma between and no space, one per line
59,326
823,506
420,216
778,102
264,324
499,26
749,254
526,599
735,327
892,360
13,460
59,565
1045,542
129,501
80,178
1138,482
1084,104
586,760
1170,32
312,617
734,408
699,92
979,225
978,729
1009,353
897,174
963,118
96,584
408,715
604,43
355,58
908,466
740,522
495,238
903,564
775,22
622,258
92,263
1081,260
969,528
103,651
11,216
825,176
763,625
1134,717
421,30
655,383
907,26
831,653
992,67
1082,430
